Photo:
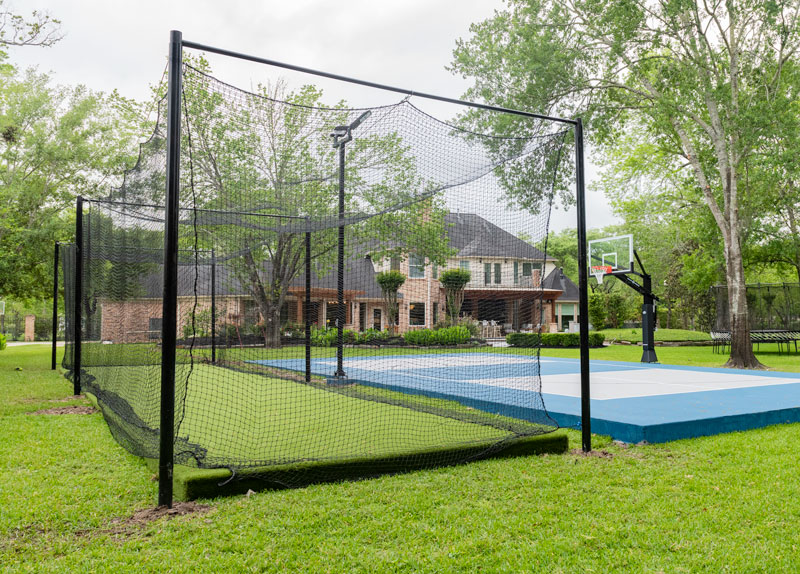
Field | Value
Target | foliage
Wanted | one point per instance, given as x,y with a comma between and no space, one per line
2,342
454,281
455,335
597,309
552,339
55,143
702,84
389,282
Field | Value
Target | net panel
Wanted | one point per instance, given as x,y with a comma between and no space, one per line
771,307
444,253
66,255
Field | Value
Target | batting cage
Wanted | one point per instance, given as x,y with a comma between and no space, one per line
294,291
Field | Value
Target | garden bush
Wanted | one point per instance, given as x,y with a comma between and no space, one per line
552,339
2,342
457,335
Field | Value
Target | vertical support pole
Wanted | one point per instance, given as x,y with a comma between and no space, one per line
583,291
76,337
340,318
169,313
307,307
213,307
648,322
55,306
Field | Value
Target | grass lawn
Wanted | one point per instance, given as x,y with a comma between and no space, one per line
728,503
635,335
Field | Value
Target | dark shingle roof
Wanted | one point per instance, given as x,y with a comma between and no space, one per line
473,236
556,280
359,276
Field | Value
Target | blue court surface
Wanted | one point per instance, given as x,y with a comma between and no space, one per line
631,402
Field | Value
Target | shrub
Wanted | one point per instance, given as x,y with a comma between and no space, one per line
552,339
2,342
456,335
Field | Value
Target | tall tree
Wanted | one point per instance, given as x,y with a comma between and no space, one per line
699,77
264,162
55,143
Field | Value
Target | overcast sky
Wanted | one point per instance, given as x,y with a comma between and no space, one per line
115,44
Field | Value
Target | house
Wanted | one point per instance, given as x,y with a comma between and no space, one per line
506,290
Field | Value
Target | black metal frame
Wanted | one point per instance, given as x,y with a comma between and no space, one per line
55,305
169,313
76,339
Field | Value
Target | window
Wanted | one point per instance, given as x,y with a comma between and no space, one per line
416,267
487,273
498,276
435,313
435,271
416,314
526,269
516,272
394,264
464,265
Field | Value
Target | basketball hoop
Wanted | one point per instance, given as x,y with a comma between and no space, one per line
599,271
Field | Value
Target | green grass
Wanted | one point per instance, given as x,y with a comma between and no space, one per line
727,503
635,335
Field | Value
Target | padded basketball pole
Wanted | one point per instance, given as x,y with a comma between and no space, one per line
76,336
55,305
169,313
583,291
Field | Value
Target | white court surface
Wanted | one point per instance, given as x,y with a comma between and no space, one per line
652,382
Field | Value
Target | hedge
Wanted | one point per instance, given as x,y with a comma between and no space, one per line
552,339
456,335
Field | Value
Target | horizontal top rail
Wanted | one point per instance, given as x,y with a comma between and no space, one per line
406,91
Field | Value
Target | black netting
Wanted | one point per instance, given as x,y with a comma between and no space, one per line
770,307
423,378
66,255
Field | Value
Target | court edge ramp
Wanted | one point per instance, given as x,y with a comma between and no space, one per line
190,483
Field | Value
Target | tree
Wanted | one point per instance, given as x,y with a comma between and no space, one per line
390,282
454,281
40,29
55,143
699,78
264,164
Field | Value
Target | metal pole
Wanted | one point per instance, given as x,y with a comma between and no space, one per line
583,291
340,285
169,313
307,308
76,337
213,307
55,305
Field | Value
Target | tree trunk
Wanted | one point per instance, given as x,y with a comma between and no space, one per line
272,326
742,356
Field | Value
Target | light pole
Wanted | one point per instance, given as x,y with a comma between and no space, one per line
341,135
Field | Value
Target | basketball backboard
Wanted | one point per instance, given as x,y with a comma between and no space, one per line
610,255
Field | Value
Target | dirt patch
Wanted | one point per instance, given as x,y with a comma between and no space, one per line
147,515
591,453
61,400
73,410
130,526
